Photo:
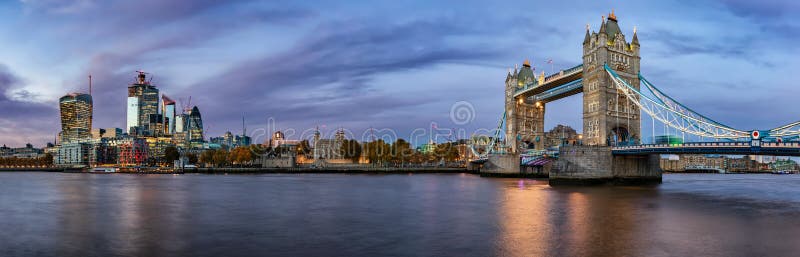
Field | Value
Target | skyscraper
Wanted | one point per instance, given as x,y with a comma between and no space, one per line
142,103
168,113
76,116
195,126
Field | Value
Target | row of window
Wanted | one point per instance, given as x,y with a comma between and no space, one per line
615,57
592,128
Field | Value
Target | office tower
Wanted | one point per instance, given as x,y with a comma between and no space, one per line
142,103
76,116
168,114
195,126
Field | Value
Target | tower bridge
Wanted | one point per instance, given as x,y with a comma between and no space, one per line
615,96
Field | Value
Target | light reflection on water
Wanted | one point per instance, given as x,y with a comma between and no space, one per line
393,215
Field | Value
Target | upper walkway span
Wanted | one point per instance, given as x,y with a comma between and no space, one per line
553,81
727,148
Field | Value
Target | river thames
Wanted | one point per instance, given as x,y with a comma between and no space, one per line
62,214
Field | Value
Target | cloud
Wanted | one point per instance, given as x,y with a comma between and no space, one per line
20,121
762,10
328,75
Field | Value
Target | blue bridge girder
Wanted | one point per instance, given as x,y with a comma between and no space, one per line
566,90
727,148
551,82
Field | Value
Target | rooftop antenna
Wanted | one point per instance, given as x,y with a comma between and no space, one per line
188,107
141,77
90,84
244,129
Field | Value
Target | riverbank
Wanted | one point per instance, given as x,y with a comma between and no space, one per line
327,170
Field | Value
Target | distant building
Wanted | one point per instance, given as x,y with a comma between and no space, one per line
73,154
156,147
132,152
325,148
180,122
560,135
168,114
242,141
181,134
278,139
76,116
428,148
99,133
195,126
142,103
22,152
156,124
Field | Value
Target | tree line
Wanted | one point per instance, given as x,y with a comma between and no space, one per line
376,152
46,160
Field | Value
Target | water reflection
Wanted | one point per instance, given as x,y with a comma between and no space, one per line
524,218
395,215
103,214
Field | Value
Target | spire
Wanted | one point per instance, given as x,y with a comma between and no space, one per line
635,40
603,25
586,39
612,16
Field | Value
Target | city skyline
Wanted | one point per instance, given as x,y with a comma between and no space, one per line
363,76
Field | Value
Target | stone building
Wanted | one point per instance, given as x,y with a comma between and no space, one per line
328,148
523,116
609,117
561,135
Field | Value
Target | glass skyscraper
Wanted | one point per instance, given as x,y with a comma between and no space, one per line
142,104
76,116
168,113
195,126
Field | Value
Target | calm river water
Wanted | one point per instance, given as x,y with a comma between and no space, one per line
60,214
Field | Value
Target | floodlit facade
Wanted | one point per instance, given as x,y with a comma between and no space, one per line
180,122
132,116
142,104
168,114
76,116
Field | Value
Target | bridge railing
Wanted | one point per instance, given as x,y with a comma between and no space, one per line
695,144
711,145
781,144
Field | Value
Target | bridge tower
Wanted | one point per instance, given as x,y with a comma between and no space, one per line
524,117
609,118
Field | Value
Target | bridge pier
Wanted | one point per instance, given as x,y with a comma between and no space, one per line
501,165
595,165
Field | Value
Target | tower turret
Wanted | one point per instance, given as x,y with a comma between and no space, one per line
586,39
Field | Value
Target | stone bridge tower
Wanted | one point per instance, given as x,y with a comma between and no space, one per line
609,118
524,117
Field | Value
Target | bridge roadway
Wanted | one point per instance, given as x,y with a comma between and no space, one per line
731,148
555,86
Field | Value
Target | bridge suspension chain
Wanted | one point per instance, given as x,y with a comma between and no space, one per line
497,132
675,105
788,130
673,114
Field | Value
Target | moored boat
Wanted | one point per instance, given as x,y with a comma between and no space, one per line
103,170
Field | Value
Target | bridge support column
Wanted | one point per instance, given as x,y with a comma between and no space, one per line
595,165
501,165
